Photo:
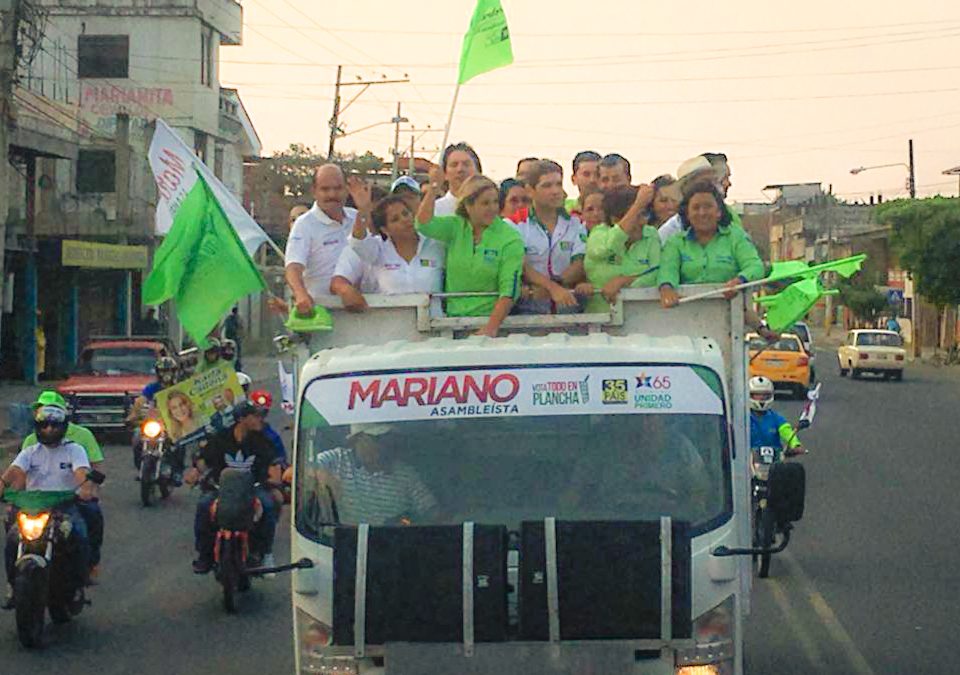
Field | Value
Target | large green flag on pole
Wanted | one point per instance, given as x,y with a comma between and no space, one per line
486,46
791,304
202,265
845,267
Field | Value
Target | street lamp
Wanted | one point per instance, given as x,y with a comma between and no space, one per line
911,181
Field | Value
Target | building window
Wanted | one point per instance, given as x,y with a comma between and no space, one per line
206,58
96,171
105,56
200,145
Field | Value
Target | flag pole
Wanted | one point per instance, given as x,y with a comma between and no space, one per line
446,131
723,289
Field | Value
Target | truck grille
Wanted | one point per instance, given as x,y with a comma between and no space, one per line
99,410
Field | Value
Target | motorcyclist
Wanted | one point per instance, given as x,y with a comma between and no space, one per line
90,510
55,467
281,489
241,446
167,370
228,352
211,356
768,428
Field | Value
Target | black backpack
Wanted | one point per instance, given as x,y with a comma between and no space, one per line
235,503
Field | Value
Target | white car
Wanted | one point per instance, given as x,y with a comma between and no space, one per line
872,351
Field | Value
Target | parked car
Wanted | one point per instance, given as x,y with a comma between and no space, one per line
872,351
110,373
785,362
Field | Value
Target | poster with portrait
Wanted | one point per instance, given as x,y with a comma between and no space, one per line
201,404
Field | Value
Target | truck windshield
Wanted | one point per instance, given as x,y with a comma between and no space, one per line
110,360
507,468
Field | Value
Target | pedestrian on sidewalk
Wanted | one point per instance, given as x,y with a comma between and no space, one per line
233,330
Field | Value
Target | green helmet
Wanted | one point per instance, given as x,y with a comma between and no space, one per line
50,397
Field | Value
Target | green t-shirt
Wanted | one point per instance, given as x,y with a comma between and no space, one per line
729,254
572,204
608,256
78,434
494,265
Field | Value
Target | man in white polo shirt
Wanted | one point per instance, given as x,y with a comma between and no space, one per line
318,237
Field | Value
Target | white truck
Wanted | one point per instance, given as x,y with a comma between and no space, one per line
571,498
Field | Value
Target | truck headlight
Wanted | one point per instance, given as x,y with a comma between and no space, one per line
713,632
312,637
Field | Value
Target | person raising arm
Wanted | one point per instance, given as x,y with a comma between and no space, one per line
484,253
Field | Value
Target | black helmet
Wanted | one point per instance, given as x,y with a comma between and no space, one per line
244,408
166,366
50,423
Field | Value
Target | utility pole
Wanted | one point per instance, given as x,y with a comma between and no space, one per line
335,120
122,173
335,130
413,163
913,179
9,25
397,121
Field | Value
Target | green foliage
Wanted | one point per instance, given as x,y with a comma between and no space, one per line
926,236
863,299
290,173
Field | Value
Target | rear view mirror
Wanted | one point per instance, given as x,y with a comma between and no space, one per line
786,491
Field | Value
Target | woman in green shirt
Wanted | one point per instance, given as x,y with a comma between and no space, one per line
708,250
624,253
484,253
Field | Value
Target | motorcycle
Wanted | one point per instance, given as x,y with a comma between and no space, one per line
44,579
766,524
236,512
157,462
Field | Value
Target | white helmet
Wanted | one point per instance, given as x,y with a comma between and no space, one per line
244,380
761,393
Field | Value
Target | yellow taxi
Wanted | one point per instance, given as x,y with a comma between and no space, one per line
784,361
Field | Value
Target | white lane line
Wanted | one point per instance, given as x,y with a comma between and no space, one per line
797,630
858,661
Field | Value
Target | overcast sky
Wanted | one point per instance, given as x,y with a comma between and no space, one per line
792,92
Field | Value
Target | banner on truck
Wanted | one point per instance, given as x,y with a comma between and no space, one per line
509,392
200,403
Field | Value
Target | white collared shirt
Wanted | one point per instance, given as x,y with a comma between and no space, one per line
551,253
394,275
446,205
356,271
316,242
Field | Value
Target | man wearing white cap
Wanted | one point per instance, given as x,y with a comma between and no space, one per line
367,486
710,166
408,189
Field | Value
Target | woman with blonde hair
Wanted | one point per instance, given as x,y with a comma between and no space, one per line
180,415
484,253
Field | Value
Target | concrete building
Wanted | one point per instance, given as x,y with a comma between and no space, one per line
80,228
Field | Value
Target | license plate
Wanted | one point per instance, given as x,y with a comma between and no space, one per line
882,357
775,363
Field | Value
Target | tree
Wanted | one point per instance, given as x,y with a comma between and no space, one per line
863,299
926,236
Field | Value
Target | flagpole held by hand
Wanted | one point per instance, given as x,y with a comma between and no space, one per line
453,106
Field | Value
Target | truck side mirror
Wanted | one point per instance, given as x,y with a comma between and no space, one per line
786,491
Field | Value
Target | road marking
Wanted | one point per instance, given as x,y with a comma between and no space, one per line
858,661
814,657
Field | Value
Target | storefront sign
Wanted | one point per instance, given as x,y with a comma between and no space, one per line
107,256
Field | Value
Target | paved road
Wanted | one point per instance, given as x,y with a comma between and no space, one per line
868,585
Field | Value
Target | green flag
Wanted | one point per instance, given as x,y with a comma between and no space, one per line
202,265
486,45
791,304
845,267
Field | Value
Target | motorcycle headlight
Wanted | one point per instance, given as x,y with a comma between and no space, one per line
32,527
312,637
151,429
714,632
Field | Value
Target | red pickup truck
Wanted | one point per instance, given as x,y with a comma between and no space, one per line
110,374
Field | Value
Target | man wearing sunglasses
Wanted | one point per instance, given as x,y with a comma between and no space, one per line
56,467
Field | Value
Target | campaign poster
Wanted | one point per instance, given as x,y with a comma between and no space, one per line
200,404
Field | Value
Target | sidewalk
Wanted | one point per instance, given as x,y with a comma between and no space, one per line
11,393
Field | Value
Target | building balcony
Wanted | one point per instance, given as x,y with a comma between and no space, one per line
224,16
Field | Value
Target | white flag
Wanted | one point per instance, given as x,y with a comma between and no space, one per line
810,409
171,160
286,389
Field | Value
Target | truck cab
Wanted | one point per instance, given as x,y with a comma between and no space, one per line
545,502
109,375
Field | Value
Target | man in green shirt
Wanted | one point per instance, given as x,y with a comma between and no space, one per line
90,510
